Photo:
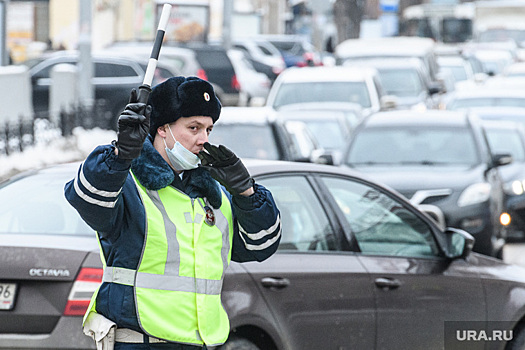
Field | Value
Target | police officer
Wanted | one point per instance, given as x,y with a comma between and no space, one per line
170,211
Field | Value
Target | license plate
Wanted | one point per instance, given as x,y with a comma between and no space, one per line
7,295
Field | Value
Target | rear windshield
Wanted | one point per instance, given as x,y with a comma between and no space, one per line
291,93
36,205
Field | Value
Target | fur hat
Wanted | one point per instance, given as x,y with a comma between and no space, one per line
182,97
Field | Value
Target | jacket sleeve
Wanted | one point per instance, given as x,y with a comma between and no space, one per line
257,230
96,191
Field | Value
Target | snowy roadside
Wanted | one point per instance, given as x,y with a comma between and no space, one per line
57,150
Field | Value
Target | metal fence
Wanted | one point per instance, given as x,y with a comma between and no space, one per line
16,136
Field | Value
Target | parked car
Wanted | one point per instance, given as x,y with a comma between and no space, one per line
184,60
439,160
264,57
114,77
405,79
297,50
391,47
219,71
254,86
357,266
254,132
329,84
330,124
509,137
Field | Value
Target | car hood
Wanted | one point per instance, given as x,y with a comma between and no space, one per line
407,179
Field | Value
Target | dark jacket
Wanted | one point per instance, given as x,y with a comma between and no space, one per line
105,195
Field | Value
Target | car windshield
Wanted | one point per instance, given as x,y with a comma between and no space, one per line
413,146
290,93
487,101
36,205
247,140
401,82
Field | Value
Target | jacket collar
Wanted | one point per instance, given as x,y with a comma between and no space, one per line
154,173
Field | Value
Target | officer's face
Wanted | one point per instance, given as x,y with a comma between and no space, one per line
191,132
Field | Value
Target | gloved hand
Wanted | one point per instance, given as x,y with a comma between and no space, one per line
225,167
133,127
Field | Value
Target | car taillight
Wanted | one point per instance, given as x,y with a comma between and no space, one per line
235,83
201,73
84,286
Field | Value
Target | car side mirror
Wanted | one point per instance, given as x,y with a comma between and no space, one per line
435,88
321,156
501,159
388,102
459,243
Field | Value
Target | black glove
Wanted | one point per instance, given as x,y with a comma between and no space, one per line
133,127
225,167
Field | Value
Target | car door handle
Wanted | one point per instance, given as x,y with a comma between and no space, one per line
273,282
387,283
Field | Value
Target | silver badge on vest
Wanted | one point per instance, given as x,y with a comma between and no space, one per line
210,216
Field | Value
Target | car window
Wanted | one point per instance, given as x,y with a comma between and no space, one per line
46,71
36,205
401,82
413,145
290,93
506,141
265,50
247,140
105,70
305,226
380,224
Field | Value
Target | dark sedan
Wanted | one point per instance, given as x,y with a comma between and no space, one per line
358,266
441,161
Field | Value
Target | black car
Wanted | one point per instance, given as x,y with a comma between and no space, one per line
218,70
441,161
357,267
113,78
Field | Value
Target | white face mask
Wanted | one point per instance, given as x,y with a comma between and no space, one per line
180,158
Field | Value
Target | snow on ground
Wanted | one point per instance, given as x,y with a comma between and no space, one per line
50,149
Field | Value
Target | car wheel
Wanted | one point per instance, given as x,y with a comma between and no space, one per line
235,343
518,339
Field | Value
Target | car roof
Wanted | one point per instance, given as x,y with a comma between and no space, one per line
383,62
245,115
384,46
410,117
324,105
495,91
326,74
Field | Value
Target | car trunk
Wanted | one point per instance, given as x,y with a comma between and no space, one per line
35,287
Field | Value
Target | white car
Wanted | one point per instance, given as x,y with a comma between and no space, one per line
254,85
329,84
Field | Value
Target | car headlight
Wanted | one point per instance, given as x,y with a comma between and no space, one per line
514,188
474,194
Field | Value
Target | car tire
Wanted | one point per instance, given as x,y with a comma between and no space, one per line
235,343
518,338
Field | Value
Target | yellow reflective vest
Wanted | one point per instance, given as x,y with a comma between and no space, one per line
178,282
